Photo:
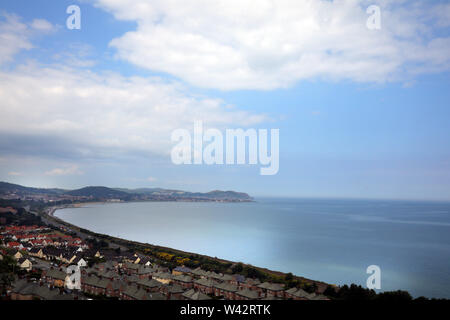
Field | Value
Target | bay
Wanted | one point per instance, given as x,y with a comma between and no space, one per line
323,239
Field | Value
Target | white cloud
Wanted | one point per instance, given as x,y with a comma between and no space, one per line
243,44
42,25
72,111
151,179
66,110
66,171
15,35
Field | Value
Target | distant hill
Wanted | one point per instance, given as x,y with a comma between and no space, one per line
98,192
6,187
218,195
105,193
147,190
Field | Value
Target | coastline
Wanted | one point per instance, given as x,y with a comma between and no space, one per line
126,243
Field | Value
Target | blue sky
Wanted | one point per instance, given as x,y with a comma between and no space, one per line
362,113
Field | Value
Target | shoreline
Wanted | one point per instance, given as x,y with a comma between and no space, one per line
321,285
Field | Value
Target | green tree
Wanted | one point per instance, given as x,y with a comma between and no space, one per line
288,277
237,268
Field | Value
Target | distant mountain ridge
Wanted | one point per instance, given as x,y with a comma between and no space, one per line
99,192
105,193
10,187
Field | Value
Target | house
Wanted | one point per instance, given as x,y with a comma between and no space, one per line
97,286
195,295
238,280
183,281
18,255
25,264
225,278
163,277
181,270
314,296
146,261
172,291
24,290
145,272
55,277
247,294
296,294
52,253
271,290
37,252
80,262
130,268
150,285
67,257
134,292
205,285
14,245
249,283
227,290
199,273
118,286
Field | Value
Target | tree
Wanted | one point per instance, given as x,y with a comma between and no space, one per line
7,269
289,277
237,268
398,295
330,291
7,264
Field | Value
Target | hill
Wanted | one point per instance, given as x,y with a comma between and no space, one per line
98,192
6,187
101,193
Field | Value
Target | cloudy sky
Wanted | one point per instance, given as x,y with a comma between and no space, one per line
362,113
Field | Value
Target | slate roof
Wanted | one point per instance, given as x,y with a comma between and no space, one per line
182,278
195,295
299,293
250,294
271,286
137,293
162,275
174,288
145,270
199,272
56,274
149,283
43,292
183,269
205,282
226,287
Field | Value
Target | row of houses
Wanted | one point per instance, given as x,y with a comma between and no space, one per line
25,290
28,237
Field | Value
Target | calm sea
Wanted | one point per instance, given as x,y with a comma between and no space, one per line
329,240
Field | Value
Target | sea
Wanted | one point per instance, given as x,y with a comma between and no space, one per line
330,240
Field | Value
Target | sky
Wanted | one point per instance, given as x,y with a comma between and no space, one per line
362,112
